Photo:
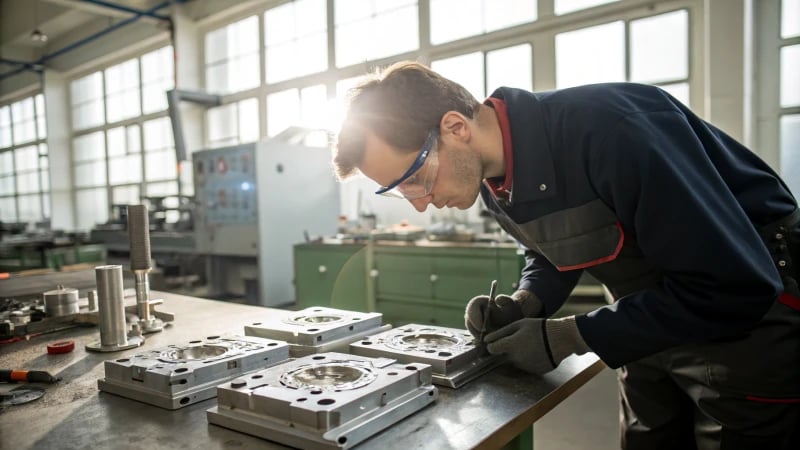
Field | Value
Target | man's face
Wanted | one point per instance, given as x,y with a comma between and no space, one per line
458,173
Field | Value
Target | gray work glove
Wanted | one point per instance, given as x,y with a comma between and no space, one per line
537,345
505,310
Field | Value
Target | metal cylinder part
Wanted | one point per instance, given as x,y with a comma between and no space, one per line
92,299
139,236
61,302
111,306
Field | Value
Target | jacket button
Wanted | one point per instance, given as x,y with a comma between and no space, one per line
542,187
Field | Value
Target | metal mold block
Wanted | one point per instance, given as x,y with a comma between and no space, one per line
326,400
179,375
451,353
318,329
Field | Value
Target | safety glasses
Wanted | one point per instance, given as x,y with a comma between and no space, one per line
418,180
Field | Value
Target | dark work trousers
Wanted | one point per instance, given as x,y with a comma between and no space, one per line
736,394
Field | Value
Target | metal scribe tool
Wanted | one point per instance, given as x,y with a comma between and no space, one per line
487,316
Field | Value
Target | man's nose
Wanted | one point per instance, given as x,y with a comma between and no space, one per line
421,204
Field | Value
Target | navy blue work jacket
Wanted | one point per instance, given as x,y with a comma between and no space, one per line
625,182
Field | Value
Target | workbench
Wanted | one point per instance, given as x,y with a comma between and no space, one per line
489,412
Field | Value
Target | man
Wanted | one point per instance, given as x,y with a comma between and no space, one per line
697,239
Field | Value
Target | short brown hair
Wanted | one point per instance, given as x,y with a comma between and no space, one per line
400,105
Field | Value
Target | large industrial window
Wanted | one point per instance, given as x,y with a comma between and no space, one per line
119,163
157,78
456,19
293,29
372,29
657,53
234,123
568,6
24,178
790,94
483,72
86,96
306,107
232,57
122,91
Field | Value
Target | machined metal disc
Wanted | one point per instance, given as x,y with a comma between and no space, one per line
338,375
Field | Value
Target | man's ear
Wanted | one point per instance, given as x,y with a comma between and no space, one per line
454,125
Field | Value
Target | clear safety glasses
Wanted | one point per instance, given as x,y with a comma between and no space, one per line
418,180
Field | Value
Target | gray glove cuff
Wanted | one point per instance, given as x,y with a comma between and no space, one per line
529,303
564,338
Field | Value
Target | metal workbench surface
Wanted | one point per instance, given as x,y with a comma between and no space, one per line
488,412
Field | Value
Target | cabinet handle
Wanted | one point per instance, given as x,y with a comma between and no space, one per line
322,269
373,273
434,277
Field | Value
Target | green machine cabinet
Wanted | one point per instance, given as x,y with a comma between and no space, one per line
332,275
432,283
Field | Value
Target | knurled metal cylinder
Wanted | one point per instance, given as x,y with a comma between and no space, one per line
139,236
111,306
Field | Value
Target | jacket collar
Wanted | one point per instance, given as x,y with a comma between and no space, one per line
534,170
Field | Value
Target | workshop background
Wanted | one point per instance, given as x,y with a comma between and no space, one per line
217,115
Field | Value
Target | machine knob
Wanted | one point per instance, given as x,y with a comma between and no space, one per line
322,269
373,273
434,277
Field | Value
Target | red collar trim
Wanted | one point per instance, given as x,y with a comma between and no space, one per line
501,188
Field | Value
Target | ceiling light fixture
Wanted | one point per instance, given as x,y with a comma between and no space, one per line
38,36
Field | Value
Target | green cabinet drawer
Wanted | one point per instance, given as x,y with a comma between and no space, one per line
331,275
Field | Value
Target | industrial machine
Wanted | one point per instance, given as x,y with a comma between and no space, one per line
254,202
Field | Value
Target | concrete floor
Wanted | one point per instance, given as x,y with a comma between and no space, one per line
589,419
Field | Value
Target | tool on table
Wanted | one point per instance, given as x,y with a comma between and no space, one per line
487,316
139,237
111,313
30,376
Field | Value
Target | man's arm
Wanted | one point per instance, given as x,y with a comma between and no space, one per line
655,171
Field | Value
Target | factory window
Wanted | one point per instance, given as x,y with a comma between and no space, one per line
372,29
157,78
122,91
159,150
789,95
89,160
658,53
86,95
91,207
295,28
24,177
5,127
456,19
24,121
466,70
568,6
234,123
232,57
296,107
591,55
510,66
124,155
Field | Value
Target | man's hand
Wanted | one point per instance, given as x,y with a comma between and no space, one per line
537,345
505,310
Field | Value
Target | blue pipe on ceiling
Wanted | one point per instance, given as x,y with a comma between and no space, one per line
127,9
36,65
